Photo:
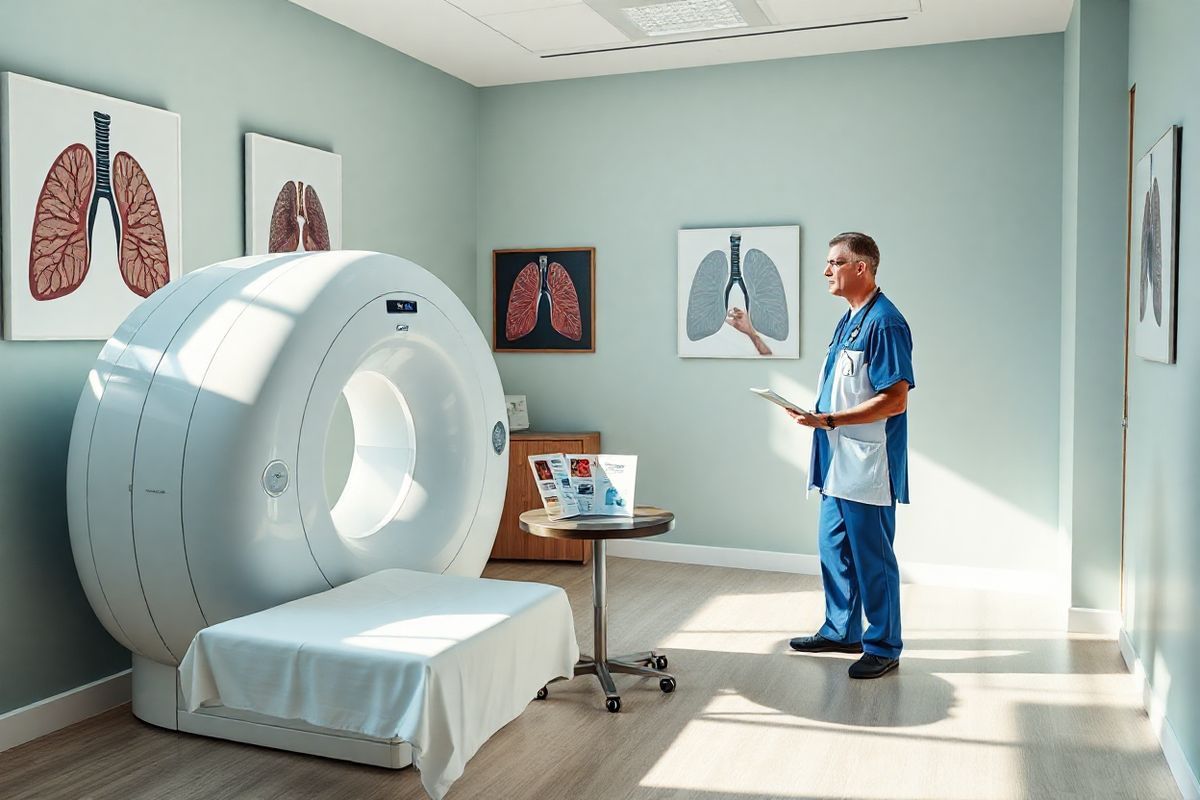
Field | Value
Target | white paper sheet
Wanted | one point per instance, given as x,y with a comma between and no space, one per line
440,661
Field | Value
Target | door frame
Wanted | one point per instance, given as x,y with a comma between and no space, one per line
1125,354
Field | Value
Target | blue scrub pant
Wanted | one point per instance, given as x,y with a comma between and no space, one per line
859,572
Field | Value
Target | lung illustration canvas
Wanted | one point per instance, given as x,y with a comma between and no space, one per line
94,184
61,248
535,282
760,284
1151,263
544,300
738,292
293,197
1156,192
298,220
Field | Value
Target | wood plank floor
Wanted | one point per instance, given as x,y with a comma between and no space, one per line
989,702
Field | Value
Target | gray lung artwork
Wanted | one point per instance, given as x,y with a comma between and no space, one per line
758,277
1151,265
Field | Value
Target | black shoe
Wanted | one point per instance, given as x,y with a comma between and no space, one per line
873,666
819,644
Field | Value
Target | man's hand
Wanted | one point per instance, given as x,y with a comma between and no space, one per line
807,420
740,321
888,403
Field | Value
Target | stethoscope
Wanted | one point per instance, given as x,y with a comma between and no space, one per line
848,368
862,317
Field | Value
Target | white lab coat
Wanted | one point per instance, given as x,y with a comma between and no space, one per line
858,466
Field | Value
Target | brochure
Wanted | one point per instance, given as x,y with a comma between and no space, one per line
554,485
585,484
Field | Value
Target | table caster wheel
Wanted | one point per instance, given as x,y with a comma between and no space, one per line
613,704
543,693
667,685
660,662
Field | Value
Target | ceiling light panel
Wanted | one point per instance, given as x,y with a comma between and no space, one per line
685,16
643,20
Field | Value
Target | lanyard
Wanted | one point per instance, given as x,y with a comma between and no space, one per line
862,316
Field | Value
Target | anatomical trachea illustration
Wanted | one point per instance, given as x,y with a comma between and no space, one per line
61,249
298,216
553,281
758,278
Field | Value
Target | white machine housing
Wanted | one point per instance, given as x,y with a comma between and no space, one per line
196,478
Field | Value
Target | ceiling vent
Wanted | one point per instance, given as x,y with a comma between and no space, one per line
655,20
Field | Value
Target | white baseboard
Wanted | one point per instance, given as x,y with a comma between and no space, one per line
25,724
1093,620
1185,777
796,563
1003,580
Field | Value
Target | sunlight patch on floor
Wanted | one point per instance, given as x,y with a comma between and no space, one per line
821,763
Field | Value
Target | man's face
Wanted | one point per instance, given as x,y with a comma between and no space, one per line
843,271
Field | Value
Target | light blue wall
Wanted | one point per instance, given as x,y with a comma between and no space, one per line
951,156
1162,517
1095,136
406,133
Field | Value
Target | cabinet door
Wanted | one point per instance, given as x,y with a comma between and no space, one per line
511,541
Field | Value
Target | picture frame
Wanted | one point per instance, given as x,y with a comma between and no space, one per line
544,300
293,197
518,412
738,292
91,207
1154,253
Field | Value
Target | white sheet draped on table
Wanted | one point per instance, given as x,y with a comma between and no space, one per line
440,661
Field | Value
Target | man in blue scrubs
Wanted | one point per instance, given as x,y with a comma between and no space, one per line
860,463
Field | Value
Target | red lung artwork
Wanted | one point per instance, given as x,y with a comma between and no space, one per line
297,204
523,302
61,248
532,282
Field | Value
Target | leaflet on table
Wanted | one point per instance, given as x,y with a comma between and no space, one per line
603,484
573,484
554,485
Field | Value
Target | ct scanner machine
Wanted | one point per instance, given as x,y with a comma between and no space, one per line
320,617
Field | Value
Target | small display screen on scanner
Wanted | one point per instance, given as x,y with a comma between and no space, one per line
402,306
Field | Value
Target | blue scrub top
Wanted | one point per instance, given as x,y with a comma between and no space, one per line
885,336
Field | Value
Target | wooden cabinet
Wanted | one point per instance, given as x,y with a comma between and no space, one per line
511,541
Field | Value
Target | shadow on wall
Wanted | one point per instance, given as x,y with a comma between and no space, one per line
41,602
953,519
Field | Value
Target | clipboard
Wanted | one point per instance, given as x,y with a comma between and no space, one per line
783,402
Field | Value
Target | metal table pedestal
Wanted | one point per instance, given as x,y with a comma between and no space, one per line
647,521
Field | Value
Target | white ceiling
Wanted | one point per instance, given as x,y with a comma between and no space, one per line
494,42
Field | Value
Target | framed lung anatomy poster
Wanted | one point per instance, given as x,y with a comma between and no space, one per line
739,292
544,300
91,208
293,197
1155,248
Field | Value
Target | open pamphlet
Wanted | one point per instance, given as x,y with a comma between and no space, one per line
767,394
574,484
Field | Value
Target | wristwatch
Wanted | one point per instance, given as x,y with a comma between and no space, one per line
829,421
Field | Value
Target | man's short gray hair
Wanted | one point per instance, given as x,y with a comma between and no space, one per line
861,245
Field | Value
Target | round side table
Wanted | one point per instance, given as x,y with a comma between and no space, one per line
646,521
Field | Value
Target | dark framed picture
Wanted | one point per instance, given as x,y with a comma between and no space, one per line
544,301
1155,248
